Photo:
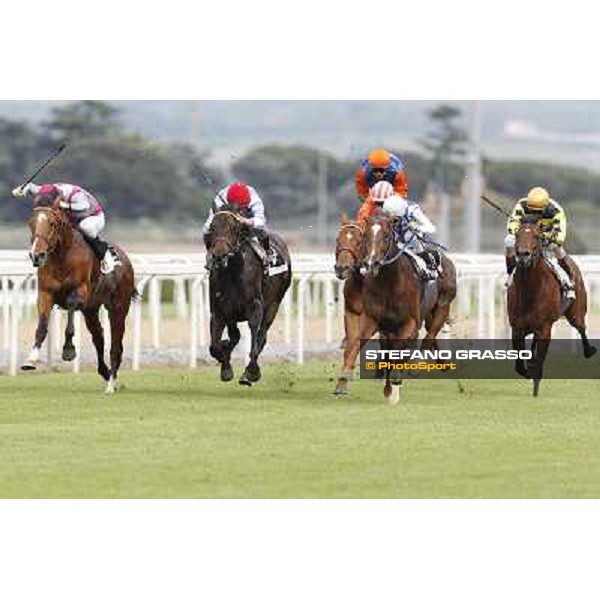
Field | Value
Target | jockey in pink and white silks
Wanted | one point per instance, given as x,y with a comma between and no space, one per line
84,211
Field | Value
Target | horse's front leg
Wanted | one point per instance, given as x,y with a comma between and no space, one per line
45,302
73,303
518,343
255,317
219,349
541,342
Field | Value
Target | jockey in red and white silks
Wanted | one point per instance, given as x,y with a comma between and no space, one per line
247,199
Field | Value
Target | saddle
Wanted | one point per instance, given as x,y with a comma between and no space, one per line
273,262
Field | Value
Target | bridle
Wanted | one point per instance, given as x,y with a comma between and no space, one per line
391,238
339,248
233,247
537,251
55,226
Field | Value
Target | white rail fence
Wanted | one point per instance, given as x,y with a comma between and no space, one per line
315,291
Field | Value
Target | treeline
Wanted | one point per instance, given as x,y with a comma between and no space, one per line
133,176
137,177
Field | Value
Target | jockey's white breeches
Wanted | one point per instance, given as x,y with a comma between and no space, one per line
92,226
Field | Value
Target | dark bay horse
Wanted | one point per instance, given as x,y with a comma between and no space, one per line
395,300
69,276
240,290
535,302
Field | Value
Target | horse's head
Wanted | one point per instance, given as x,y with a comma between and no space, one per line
377,239
527,244
46,226
225,235
347,247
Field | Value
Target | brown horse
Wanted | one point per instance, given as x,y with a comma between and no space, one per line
347,253
240,290
69,276
395,301
535,302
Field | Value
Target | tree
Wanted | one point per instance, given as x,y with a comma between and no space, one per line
85,119
445,143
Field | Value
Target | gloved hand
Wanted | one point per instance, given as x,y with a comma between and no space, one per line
21,191
510,241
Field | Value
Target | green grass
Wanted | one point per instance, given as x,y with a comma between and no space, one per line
175,433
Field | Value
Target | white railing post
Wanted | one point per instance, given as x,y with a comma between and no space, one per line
302,284
77,341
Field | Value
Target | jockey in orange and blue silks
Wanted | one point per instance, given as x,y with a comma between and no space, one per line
83,210
381,165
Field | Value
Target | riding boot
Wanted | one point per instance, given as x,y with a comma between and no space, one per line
511,263
102,253
98,247
430,264
569,287
258,238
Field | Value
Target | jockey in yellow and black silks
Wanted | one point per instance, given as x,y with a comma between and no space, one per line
553,224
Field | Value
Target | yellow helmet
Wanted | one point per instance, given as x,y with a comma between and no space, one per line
379,158
538,198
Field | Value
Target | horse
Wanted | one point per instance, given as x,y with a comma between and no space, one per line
240,290
347,253
535,303
395,300
68,275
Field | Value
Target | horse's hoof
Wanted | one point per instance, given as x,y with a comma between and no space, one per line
394,396
111,386
69,354
245,381
226,373
252,376
340,391
589,353
28,366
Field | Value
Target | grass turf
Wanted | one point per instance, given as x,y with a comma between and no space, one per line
183,434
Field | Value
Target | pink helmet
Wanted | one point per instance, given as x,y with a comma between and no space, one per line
382,190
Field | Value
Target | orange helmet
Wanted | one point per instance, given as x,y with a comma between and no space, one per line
379,158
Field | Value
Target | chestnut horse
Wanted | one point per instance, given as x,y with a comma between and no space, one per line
395,301
535,302
240,290
347,253
69,276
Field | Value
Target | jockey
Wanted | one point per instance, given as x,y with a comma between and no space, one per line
553,223
377,195
84,211
251,214
381,165
415,229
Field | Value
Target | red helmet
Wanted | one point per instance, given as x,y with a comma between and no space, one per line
238,193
